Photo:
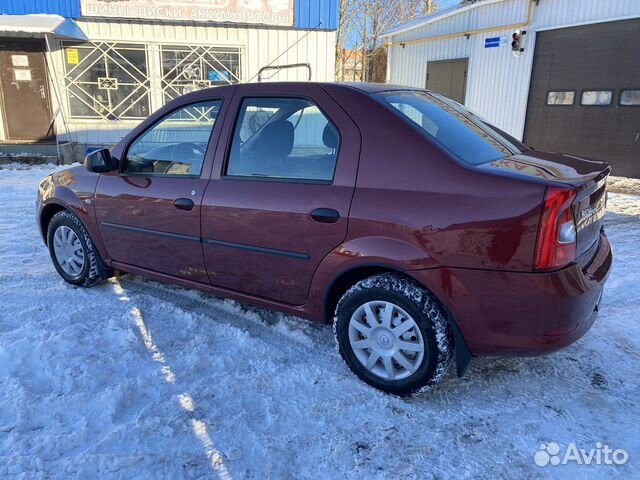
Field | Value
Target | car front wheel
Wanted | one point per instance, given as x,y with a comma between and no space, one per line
393,334
72,251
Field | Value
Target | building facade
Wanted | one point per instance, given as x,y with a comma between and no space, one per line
570,84
87,71
351,66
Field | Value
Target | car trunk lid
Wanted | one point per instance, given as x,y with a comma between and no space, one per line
587,177
588,211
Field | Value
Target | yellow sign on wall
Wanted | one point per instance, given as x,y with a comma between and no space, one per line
72,56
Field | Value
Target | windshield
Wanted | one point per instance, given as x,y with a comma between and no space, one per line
458,130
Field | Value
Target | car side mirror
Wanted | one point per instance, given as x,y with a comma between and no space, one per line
100,161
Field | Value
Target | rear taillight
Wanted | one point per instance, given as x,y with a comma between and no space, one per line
556,245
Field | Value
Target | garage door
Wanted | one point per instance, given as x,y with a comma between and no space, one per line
585,94
448,77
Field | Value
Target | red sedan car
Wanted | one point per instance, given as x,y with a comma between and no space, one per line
421,231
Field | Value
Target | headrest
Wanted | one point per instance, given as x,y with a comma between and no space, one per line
276,140
330,136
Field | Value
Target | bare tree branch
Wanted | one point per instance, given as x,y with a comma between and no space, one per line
362,24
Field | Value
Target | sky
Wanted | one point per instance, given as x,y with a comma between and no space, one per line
447,3
442,5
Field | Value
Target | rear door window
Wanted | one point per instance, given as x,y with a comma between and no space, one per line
453,127
283,138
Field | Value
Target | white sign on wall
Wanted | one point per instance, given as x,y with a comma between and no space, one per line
22,74
268,12
19,60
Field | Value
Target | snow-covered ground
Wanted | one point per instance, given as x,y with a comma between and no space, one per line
624,185
136,379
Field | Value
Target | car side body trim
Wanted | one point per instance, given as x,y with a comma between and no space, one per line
150,231
253,248
220,243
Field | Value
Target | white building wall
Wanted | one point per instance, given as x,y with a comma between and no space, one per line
260,47
408,65
497,81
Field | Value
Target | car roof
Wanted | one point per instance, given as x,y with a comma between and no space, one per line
362,87
366,87
369,87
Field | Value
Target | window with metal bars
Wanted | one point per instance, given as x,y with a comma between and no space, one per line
107,80
187,68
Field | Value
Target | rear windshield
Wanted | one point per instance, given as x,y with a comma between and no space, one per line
459,131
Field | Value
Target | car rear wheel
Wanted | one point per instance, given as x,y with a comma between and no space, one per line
393,334
72,251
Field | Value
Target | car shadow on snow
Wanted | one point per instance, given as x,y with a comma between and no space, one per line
613,219
501,407
484,375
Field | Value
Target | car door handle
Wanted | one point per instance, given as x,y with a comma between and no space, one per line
183,204
325,215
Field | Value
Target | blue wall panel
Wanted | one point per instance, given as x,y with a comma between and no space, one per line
321,14
66,8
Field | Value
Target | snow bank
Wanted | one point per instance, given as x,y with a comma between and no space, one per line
624,185
135,379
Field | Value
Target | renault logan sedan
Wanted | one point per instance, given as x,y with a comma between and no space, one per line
419,230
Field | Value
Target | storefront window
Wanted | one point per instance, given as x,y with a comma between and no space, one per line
188,68
107,81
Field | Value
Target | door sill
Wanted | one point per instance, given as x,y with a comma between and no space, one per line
297,310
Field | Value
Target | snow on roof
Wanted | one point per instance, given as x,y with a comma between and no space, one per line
40,24
437,16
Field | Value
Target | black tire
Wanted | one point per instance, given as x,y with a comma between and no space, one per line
428,315
93,270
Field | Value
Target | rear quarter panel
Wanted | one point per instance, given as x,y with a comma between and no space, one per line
418,208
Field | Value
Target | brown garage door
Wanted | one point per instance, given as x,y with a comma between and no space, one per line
448,77
585,94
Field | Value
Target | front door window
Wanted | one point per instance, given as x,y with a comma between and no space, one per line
176,145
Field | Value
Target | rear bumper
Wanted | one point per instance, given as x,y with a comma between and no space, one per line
514,313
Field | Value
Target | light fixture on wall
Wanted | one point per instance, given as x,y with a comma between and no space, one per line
517,40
